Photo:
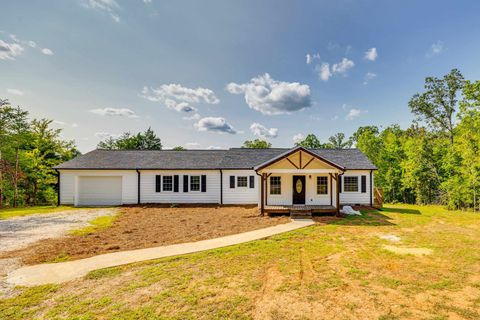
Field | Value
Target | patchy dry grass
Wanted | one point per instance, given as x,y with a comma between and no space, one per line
337,269
26,211
96,224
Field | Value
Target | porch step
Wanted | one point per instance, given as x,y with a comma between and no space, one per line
301,214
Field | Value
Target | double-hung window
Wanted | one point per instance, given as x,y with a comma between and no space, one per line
242,182
350,184
194,183
275,185
167,183
322,185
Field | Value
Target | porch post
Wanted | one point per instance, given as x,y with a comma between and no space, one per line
262,200
337,178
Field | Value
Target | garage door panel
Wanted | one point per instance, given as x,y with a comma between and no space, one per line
94,191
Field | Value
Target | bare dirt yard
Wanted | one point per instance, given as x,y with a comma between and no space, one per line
149,226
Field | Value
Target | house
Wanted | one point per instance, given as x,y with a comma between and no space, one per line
277,180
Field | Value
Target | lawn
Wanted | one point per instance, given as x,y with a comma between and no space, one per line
25,211
337,269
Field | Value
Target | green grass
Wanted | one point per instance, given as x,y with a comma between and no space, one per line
337,270
25,211
96,224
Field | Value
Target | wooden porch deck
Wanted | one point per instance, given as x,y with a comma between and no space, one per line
300,209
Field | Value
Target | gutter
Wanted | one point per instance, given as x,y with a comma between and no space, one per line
138,186
221,186
58,187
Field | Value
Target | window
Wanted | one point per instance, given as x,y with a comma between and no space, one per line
275,185
322,185
167,183
194,183
242,182
350,184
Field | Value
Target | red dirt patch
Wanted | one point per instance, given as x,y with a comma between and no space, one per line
151,226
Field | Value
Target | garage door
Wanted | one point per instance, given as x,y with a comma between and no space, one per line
99,191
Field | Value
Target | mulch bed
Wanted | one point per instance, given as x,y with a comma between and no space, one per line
150,226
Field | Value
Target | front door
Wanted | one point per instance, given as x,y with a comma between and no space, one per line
298,190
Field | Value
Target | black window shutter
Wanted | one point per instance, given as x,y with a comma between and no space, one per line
158,180
185,183
232,182
364,184
340,183
252,182
204,183
175,183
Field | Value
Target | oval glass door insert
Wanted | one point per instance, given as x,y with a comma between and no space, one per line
299,186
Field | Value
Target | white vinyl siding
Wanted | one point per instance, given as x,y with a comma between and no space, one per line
69,184
356,197
212,194
240,195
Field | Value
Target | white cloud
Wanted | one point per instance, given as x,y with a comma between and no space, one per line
262,131
60,123
47,51
310,57
179,106
215,124
180,93
109,6
8,51
324,71
192,144
354,113
436,49
273,97
74,125
122,112
196,116
147,1
298,137
371,54
369,76
106,135
32,44
214,148
342,66
16,92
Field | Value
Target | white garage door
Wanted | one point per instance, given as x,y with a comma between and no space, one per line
99,191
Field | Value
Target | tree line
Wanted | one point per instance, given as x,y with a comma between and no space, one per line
28,151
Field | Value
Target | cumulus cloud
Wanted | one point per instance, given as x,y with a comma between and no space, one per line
16,92
273,97
369,76
47,51
342,66
354,113
436,49
109,6
298,137
215,124
262,131
371,54
121,112
324,71
9,51
179,106
310,57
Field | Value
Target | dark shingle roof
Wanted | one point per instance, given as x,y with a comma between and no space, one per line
235,158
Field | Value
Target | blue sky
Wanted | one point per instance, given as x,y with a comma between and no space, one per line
206,74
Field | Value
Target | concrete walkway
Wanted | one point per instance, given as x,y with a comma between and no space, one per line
66,271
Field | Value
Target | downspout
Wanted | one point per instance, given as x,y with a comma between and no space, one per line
221,186
58,187
138,186
371,188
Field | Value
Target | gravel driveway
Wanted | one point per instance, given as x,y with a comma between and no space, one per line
19,232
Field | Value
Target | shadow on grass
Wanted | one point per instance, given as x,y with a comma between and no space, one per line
403,211
368,218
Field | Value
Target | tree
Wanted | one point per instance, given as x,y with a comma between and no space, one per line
337,141
311,142
127,141
179,148
257,144
437,105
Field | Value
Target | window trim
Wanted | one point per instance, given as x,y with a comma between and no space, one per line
163,183
246,182
279,186
199,183
358,184
327,186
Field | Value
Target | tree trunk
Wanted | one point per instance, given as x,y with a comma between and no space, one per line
1,180
15,180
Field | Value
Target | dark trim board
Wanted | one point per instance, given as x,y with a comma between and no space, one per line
138,187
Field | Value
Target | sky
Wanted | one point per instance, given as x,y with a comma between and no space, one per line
212,74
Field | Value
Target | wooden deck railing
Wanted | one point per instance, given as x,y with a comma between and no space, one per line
378,197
